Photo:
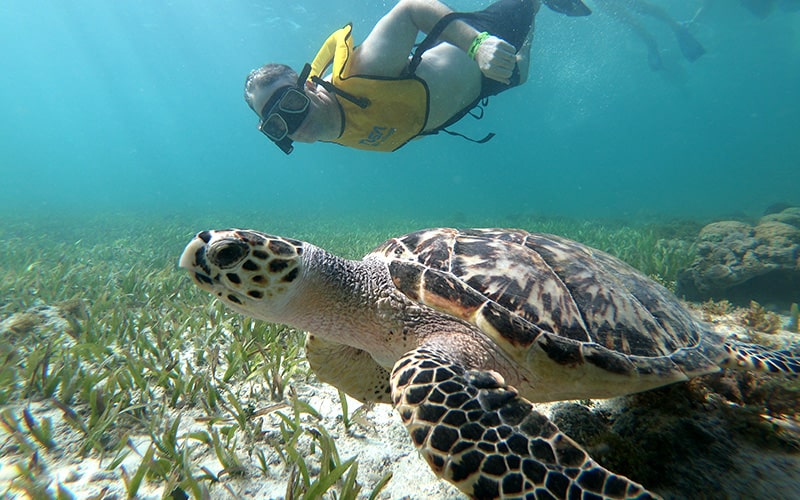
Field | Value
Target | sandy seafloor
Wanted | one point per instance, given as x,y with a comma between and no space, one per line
381,444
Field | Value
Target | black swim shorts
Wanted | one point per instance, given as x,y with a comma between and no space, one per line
510,20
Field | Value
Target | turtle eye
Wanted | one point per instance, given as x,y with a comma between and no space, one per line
227,253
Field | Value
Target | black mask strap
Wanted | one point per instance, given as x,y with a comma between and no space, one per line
285,145
301,80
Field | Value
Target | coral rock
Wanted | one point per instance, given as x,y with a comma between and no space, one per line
740,262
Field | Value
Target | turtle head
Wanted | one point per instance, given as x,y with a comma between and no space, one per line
251,272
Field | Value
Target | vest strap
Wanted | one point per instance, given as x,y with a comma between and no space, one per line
485,139
433,36
361,102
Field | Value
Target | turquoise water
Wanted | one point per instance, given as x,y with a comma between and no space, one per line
137,105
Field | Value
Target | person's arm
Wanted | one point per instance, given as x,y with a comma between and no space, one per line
386,49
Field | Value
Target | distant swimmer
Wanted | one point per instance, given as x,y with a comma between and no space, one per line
627,12
377,97
759,8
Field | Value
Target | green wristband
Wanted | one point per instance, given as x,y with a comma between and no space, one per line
473,47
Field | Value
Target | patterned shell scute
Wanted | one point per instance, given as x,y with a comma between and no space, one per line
520,283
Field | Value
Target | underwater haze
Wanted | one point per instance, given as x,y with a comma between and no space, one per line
125,133
137,106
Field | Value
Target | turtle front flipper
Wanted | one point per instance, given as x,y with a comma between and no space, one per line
478,433
349,369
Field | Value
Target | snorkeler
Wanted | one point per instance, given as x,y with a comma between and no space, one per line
378,98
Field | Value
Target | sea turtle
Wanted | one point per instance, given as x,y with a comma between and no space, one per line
461,329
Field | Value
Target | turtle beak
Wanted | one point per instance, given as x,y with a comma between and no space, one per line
194,260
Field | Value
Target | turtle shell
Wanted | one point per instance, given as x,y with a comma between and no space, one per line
515,285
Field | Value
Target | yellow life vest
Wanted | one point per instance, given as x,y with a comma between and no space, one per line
396,110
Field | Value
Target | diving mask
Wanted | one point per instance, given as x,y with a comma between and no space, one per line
285,111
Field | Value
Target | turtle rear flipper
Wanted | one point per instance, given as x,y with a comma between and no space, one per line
756,357
478,433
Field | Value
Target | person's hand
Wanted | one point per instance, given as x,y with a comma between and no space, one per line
496,59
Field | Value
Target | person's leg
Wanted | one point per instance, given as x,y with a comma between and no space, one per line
619,11
690,47
385,50
759,8
654,11
789,5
